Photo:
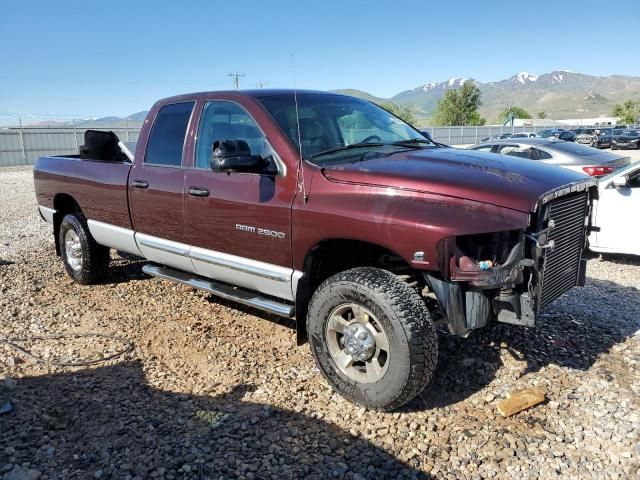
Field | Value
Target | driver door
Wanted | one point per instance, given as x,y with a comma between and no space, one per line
239,224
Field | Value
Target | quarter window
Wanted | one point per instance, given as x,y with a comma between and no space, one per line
515,151
538,154
166,140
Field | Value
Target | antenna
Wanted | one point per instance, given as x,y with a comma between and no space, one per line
295,99
261,84
236,78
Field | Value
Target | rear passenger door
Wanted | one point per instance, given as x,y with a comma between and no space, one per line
156,189
239,224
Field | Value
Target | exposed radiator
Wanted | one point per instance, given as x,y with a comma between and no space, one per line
562,263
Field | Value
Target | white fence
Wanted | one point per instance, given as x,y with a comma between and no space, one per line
23,146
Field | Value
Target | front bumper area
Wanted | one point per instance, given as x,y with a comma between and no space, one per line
543,262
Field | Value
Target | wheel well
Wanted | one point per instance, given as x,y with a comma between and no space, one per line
63,204
332,256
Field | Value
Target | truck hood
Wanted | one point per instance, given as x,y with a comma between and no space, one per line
500,180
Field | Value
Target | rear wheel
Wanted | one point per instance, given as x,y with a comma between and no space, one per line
372,337
84,260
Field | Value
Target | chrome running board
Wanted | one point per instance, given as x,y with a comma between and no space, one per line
221,290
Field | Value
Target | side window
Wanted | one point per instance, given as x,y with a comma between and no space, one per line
166,140
634,180
515,151
537,154
228,121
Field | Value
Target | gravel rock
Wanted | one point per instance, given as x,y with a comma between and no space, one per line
223,390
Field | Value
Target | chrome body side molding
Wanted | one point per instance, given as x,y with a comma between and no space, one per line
122,239
165,252
221,290
46,213
263,277
244,272
272,280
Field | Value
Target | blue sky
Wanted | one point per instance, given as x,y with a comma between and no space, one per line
66,58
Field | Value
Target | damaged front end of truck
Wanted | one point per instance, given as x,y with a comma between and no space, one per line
509,276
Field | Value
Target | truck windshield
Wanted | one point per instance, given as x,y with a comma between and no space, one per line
333,125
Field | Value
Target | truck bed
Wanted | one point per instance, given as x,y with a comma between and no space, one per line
99,187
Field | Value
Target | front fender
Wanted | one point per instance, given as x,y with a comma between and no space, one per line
406,222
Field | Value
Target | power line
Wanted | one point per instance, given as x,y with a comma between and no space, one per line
236,78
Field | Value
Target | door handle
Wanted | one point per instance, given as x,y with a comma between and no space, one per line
198,192
140,184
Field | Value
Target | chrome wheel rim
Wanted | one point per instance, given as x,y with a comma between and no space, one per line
73,249
357,343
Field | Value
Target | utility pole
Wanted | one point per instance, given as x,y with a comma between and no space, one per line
261,84
236,78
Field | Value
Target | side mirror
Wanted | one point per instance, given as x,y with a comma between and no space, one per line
427,134
619,183
235,156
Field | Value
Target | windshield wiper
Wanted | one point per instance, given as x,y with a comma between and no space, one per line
418,142
349,147
413,142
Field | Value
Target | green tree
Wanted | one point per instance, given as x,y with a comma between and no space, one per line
404,112
542,114
460,106
518,112
628,111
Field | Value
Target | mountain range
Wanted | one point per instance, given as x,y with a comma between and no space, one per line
560,94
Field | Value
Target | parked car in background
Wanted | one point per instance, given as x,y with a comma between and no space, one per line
629,139
595,137
499,136
523,135
572,156
558,133
619,199
616,132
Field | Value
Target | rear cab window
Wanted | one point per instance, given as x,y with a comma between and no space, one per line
166,141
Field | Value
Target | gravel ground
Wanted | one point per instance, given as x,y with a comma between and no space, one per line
210,390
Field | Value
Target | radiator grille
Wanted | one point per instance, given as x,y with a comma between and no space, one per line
562,264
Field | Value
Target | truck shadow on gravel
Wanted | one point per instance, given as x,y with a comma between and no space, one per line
74,424
572,333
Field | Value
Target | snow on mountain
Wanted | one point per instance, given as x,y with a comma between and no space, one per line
524,78
456,81
453,82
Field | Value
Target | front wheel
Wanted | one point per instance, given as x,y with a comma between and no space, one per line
372,337
84,260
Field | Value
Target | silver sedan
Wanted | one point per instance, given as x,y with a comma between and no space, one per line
579,158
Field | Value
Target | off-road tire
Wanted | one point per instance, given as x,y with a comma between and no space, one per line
95,258
413,345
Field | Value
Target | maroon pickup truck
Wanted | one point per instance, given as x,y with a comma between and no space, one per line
330,210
